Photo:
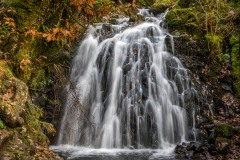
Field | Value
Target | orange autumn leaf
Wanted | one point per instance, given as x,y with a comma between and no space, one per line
31,32
10,22
55,30
24,63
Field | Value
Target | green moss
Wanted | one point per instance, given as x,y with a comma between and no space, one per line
39,81
5,68
184,3
183,20
29,13
34,127
234,3
226,57
2,125
234,38
215,39
145,2
216,66
215,43
224,130
222,144
162,5
235,59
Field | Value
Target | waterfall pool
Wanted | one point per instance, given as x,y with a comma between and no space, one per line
82,153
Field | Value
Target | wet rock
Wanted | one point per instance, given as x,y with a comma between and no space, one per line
131,147
189,154
224,130
209,126
113,21
207,155
228,99
226,87
222,144
180,149
196,146
211,139
212,149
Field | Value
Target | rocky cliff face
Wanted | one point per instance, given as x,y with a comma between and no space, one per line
21,131
218,115
216,79
210,50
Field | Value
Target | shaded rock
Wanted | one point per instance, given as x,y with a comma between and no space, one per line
212,149
180,149
189,154
4,135
209,126
207,155
196,146
226,87
222,144
224,130
228,99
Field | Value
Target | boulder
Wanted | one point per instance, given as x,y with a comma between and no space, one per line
222,144
13,96
4,135
224,130
180,149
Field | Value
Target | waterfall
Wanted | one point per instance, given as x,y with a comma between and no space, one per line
127,89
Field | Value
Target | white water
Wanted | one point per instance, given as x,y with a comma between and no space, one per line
76,152
126,91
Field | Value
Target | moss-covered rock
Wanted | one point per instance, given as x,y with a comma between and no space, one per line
182,20
2,124
13,94
222,144
224,130
162,5
21,131
235,59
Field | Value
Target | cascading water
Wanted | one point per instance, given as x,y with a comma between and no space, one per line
127,90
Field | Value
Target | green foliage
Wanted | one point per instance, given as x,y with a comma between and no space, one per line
39,80
2,125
